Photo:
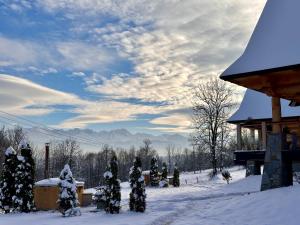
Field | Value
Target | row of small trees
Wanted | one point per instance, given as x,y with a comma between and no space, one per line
17,180
163,182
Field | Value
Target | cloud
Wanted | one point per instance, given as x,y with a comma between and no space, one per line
43,59
82,56
172,44
23,97
173,123
188,42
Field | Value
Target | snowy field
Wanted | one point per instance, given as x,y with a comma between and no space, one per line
197,201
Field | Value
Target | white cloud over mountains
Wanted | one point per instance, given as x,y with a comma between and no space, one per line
173,45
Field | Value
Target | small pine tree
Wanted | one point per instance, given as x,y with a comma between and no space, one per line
68,199
154,178
164,176
226,176
176,181
112,190
7,182
137,196
24,180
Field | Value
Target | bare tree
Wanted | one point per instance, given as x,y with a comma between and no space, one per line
212,103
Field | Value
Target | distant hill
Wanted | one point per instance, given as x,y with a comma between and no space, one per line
117,138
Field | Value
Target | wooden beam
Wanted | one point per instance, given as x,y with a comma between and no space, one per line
264,135
276,115
239,136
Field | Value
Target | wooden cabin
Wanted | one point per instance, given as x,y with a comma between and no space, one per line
46,193
271,64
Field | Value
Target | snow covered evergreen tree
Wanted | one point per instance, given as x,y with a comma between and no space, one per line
154,178
112,190
176,181
68,199
226,176
7,181
137,196
24,179
164,176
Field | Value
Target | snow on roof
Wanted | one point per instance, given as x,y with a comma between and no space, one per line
256,106
53,182
275,41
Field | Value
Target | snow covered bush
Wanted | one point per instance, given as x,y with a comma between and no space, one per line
99,198
176,181
154,178
7,181
112,190
164,176
226,176
68,198
24,179
137,196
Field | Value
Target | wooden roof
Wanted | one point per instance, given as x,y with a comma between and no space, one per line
271,61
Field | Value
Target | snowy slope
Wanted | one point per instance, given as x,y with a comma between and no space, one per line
204,203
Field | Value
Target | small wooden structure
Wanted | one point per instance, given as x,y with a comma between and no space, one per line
146,175
46,193
271,64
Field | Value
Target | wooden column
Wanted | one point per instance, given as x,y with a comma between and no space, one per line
252,137
264,135
46,169
260,139
276,115
239,136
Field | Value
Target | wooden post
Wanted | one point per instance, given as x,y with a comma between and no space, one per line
252,137
276,115
259,139
264,135
46,171
239,136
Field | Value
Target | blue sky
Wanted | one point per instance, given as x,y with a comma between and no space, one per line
116,64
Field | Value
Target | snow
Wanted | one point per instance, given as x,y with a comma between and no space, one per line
10,151
108,174
53,182
197,201
256,106
23,144
275,41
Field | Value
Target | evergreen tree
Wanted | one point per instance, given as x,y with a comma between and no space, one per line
68,198
226,176
24,180
7,182
176,181
137,196
164,176
154,178
112,191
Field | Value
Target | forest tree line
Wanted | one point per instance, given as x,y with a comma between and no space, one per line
90,166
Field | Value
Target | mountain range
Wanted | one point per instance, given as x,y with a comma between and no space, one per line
91,140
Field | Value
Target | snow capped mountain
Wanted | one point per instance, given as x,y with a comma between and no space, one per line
91,140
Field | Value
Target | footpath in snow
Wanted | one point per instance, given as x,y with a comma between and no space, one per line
196,201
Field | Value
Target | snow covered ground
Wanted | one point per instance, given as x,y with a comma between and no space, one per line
197,201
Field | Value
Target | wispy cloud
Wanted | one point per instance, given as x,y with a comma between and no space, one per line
172,44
